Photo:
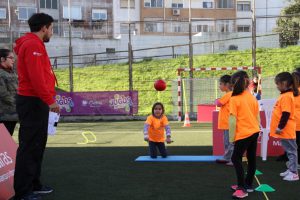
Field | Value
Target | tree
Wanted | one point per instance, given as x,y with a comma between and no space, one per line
288,27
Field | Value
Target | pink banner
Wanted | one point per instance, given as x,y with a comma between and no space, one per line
274,145
8,149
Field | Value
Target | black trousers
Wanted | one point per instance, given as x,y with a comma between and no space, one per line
10,126
33,116
298,144
248,144
153,146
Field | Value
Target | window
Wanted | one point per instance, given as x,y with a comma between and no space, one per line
75,12
224,26
207,4
24,13
153,3
74,34
124,28
225,4
50,4
243,6
152,25
110,50
177,29
243,28
99,14
2,13
177,5
124,3
202,28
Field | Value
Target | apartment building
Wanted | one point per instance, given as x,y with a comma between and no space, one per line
170,16
126,15
206,16
90,18
111,18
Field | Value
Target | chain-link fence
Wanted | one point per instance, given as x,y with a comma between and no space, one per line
159,47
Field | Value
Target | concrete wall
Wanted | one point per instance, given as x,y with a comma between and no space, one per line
59,46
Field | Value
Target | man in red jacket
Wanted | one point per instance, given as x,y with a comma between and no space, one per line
36,97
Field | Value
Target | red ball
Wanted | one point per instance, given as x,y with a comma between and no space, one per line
160,85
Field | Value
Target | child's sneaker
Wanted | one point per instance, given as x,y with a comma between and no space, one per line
229,163
248,188
291,177
239,194
283,174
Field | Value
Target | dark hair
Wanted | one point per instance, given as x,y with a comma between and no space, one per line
162,107
38,20
4,53
239,81
225,79
297,69
292,80
297,73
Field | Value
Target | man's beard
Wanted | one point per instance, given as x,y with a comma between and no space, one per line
46,39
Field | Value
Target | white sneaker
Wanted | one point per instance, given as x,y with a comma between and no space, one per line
283,174
229,163
291,177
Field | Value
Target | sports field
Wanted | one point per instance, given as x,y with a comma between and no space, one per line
105,169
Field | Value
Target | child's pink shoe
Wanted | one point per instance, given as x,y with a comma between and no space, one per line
239,194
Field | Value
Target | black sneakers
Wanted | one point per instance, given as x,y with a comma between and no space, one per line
43,190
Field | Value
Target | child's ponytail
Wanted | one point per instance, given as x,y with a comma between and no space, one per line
295,84
239,81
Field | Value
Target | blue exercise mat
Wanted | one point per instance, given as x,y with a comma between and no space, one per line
179,159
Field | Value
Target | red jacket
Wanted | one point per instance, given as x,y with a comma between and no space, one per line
35,74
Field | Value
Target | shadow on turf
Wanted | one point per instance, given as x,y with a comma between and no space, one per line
92,173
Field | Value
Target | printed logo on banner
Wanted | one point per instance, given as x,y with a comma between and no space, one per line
65,102
91,103
121,102
5,160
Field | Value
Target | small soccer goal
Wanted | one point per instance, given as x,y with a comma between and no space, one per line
205,88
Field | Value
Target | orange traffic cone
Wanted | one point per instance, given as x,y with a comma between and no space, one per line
186,120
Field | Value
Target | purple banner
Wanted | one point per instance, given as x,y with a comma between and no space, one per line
98,103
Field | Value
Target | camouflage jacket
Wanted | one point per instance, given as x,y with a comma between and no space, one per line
8,91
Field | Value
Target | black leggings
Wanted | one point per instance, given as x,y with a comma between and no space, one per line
153,149
248,144
298,144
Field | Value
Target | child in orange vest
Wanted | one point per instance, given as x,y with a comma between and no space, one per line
283,124
297,116
243,131
154,128
223,119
